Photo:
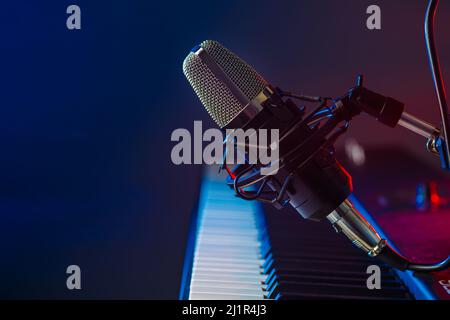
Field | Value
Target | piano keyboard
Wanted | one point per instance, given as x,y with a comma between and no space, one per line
227,261
243,253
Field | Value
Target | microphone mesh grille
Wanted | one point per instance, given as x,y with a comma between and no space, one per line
218,100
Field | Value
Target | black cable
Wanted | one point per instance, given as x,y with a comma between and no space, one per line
395,259
437,77
430,267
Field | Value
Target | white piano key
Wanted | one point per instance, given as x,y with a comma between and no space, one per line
227,284
225,280
208,274
227,290
225,260
222,296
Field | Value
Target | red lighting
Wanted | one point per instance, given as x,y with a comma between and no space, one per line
434,195
231,174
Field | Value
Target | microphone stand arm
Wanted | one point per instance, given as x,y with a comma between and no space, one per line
345,218
391,113
424,129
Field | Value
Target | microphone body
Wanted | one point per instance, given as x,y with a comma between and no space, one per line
321,184
236,96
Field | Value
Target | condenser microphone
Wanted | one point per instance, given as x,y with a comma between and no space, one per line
309,178
236,96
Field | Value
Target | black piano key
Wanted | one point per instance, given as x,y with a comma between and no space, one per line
305,259
319,264
285,288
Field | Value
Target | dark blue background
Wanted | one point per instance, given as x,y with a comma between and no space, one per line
86,118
